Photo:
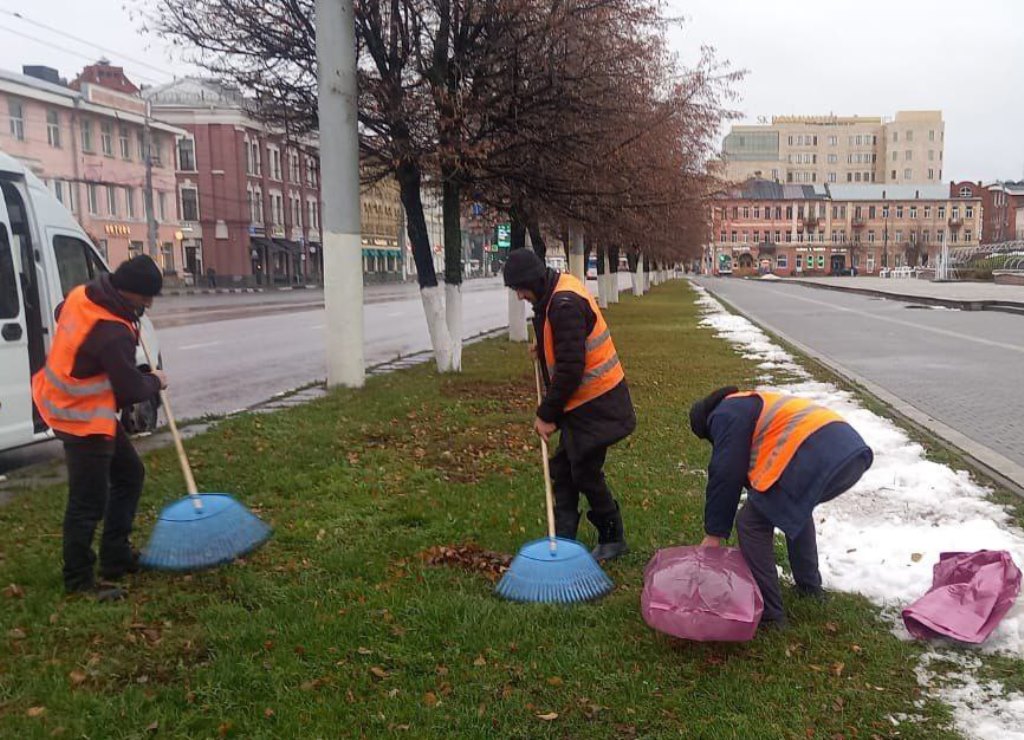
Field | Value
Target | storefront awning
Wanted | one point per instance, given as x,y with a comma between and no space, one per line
289,246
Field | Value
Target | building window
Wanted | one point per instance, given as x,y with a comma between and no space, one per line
931,135
257,199
757,213
746,237
931,174
107,138
966,192
849,177
757,237
162,204
789,237
908,155
142,146
134,249
899,211
910,136
895,136
274,155
125,141
791,141
276,208
913,211
775,174
310,204
778,237
129,202
899,236
778,212
94,199
907,174
53,128
293,166
967,235
931,155
17,114
111,200
799,262
187,155
894,174
257,164
721,237
942,211
746,213
871,236
856,177
85,126
789,211
782,262
895,156
189,204
940,236
969,211
833,141
925,236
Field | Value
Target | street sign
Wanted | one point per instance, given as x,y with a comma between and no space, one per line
504,236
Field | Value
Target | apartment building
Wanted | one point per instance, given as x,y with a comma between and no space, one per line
787,229
87,142
907,149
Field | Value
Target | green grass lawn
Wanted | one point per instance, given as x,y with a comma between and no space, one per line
341,627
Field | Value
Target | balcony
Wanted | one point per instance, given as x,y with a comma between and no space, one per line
812,222
859,223
956,222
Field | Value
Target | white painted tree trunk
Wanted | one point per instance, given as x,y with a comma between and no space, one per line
604,284
437,325
453,314
638,278
516,318
646,287
577,256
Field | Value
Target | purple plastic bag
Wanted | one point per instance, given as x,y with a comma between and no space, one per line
706,594
971,592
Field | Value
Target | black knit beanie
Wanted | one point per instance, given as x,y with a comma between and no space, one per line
525,270
138,275
701,410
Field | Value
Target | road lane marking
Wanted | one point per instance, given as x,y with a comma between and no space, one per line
197,346
912,325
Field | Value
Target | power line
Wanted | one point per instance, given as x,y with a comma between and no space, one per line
65,50
51,29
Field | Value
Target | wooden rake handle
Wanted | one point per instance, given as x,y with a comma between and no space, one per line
549,496
186,469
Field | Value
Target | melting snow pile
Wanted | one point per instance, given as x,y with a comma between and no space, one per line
882,537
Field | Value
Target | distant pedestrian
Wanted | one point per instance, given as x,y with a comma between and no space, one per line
211,277
587,398
791,455
90,374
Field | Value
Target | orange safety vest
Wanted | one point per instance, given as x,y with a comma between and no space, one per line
784,424
602,370
76,406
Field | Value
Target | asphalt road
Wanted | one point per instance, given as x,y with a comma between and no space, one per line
963,368
226,352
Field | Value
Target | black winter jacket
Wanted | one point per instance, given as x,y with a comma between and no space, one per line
110,348
602,422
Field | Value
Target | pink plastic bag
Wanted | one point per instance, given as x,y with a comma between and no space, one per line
971,592
706,594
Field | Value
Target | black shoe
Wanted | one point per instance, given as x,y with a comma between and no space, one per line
566,523
815,594
120,570
104,592
611,540
772,625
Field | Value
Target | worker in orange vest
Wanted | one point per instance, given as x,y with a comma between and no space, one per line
586,396
791,455
89,375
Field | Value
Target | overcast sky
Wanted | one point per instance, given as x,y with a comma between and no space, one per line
869,57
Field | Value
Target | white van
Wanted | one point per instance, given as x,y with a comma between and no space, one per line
44,253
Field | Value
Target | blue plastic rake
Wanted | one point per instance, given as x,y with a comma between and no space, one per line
202,530
553,570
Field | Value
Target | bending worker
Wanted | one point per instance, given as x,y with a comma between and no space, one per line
90,374
587,398
791,455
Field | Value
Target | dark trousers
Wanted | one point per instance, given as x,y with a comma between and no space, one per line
576,474
756,534
105,479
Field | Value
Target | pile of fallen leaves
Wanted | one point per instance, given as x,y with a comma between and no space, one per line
492,565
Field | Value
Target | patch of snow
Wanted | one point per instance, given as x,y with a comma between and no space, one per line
882,537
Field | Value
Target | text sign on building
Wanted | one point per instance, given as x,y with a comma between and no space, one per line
504,236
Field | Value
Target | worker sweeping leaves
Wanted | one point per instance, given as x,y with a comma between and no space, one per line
89,375
586,396
791,455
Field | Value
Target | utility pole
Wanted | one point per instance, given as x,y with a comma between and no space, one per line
147,195
339,191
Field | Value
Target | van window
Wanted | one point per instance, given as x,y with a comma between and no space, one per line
76,262
9,308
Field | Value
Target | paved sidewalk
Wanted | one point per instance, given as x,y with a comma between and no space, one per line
969,296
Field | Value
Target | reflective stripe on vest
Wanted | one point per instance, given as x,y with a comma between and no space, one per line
77,406
602,370
784,423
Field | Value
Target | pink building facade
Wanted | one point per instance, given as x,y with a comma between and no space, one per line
89,148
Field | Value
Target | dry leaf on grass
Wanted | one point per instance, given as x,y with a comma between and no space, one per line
549,717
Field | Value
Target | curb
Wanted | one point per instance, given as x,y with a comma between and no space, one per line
1006,472
985,304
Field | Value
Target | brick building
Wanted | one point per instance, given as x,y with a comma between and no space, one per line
88,146
1003,204
250,198
790,229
